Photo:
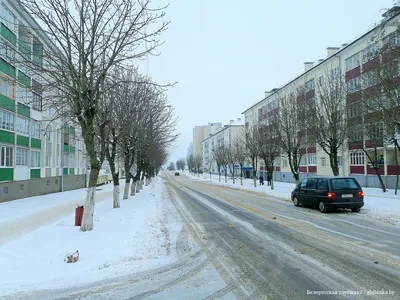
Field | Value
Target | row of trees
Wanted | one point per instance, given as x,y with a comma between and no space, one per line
88,76
330,111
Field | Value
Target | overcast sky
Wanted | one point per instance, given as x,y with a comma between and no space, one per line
226,53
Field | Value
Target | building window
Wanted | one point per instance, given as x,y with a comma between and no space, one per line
37,95
35,159
284,163
6,156
6,120
354,85
71,162
35,133
6,88
65,160
323,161
310,85
22,125
369,79
8,18
352,62
336,73
21,157
311,160
340,161
370,52
37,102
303,161
7,53
356,159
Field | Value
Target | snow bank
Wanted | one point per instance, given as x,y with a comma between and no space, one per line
135,237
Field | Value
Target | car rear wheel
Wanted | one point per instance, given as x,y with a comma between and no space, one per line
296,201
355,209
322,207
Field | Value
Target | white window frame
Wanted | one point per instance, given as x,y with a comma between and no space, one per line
7,120
340,161
6,87
35,129
323,162
311,160
6,156
357,159
284,163
22,125
71,160
21,157
8,18
353,62
35,158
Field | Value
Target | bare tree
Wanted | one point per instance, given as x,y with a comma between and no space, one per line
190,158
198,162
219,154
269,149
290,126
180,164
240,154
251,139
328,122
90,37
171,166
231,161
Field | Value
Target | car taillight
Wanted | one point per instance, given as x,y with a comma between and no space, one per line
331,196
361,194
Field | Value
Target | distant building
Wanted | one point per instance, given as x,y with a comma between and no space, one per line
225,135
202,132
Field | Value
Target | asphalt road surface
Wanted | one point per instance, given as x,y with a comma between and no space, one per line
251,246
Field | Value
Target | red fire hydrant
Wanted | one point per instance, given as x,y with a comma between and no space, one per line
78,215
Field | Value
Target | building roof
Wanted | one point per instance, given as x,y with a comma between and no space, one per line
273,92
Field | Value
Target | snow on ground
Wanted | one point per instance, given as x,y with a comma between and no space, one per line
376,202
136,237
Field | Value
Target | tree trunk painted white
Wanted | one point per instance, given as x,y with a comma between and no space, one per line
272,184
233,179
226,178
116,203
88,211
137,186
241,180
126,191
255,181
153,182
133,187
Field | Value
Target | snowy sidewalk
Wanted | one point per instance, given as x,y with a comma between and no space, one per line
138,236
21,216
376,202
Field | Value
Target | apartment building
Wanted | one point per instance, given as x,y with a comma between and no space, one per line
353,61
38,155
226,135
202,132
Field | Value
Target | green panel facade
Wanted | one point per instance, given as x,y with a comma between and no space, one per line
7,137
8,34
71,171
72,149
8,69
22,140
24,48
72,130
7,103
23,110
36,143
6,174
24,79
65,171
66,148
35,173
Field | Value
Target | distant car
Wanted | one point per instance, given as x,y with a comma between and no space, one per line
176,173
329,192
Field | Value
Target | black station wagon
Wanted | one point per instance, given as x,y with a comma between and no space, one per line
329,192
